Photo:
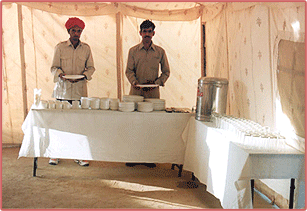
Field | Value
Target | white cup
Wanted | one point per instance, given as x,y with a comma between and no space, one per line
58,104
66,105
104,103
75,104
51,104
85,102
43,104
94,103
114,103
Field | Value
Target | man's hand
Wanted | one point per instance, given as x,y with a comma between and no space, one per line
150,82
71,80
146,89
134,84
61,76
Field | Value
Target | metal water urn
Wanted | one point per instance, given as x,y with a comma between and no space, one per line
211,97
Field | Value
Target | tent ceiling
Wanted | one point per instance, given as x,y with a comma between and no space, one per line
161,11
167,5
150,10
164,11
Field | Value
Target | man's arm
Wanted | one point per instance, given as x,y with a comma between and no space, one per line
89,66
130,70
165,70
56,69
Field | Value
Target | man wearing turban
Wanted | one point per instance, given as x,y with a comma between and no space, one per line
72,67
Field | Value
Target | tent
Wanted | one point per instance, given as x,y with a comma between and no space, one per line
258,46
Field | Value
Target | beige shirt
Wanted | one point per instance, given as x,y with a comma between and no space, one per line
144,65
71,61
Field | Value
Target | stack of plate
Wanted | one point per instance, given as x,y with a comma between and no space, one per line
94,103
43,104
104,103
145,106
158,104
66,105
133,98
114,103
126,106
85,102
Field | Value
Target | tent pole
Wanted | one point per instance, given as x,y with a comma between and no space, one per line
22,61
227,52
202,50
119,54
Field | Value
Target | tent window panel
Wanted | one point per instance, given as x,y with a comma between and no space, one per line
291,82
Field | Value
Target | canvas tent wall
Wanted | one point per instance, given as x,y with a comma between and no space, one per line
110,35
267,81
244,42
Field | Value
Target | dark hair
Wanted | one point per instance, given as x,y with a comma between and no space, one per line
147,24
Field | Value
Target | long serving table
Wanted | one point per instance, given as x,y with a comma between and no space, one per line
104,135
159,137
227,168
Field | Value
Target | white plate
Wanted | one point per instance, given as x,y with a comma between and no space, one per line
147,85
73,76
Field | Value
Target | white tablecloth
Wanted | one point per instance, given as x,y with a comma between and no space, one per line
226,168
105,135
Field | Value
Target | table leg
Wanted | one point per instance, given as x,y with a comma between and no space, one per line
193,176
179,167
180,170
173,166
292,187
34,167
252,189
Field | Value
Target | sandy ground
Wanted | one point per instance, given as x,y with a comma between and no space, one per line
101,185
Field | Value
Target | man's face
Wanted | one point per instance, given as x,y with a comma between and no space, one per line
75,33
147,34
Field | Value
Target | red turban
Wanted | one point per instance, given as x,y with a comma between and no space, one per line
74,22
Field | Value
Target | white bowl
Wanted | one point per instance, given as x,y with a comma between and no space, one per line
145,106
43,104
58,104
154,100
94,103
75,104
158,104
51,104
126,109
126,106
133,98
85,102
66,105
114,103
104,103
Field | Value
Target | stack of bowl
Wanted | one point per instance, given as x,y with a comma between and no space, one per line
94,103
75,104
158,104
104,103
145,106
43,104
66,105
133,98
51,104
114,103
126,106
85,102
